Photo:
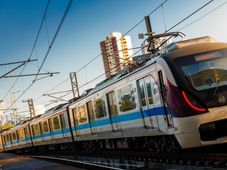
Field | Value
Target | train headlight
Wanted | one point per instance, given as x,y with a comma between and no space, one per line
208,131
207,127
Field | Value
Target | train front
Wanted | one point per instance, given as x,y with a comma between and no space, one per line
198,101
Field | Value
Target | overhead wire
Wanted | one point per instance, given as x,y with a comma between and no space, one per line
100,54
211,11
164,19
32,50
55,36
47,32
50,47
190,15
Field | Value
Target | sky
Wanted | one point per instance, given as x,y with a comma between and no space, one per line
87,23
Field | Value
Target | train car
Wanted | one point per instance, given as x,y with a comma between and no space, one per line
178,98
24,135
17,137
52,127
196,94
10,139
14,138
181,93
6,140
126,108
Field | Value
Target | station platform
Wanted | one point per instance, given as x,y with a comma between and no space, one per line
10,161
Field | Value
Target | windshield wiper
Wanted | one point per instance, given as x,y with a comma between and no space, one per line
216,88
217,85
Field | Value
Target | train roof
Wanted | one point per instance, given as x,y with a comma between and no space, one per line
107,82
51,111
47,113
193,46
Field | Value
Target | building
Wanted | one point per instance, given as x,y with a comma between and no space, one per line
116,52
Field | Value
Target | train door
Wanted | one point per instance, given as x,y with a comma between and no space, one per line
28,134
63,124
75,122
149,102
101,114
57,129
41,130
91,116
50,128
163,89
113,112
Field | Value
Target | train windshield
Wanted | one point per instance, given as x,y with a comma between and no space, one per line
207,73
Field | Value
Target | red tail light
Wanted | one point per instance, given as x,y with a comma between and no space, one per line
193,106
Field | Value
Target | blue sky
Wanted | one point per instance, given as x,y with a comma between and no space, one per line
88,23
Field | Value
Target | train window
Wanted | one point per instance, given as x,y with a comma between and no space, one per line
21,134
149,83
26,132
148,90
45,127
156,94
81,114
41,127
14,136
126,98
112,104
62,118
142,92
4,139
100,110
32,130
90,111
8,138
36,130
56,123
17,136
11,135
74,116
50,124
163,87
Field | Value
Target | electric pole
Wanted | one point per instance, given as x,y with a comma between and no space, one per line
74,84
31,107
150,40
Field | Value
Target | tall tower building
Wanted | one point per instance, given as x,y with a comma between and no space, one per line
116,52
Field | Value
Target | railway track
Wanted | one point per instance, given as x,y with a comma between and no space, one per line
134,159
77,163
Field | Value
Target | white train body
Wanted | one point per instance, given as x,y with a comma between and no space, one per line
165,97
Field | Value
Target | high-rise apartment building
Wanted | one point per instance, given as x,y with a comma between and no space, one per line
116,52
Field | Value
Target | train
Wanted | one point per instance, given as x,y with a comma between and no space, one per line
175,100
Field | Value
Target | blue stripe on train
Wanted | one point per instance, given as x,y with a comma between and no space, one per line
122,118
54,133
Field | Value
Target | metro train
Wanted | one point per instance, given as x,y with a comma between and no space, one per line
177,99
